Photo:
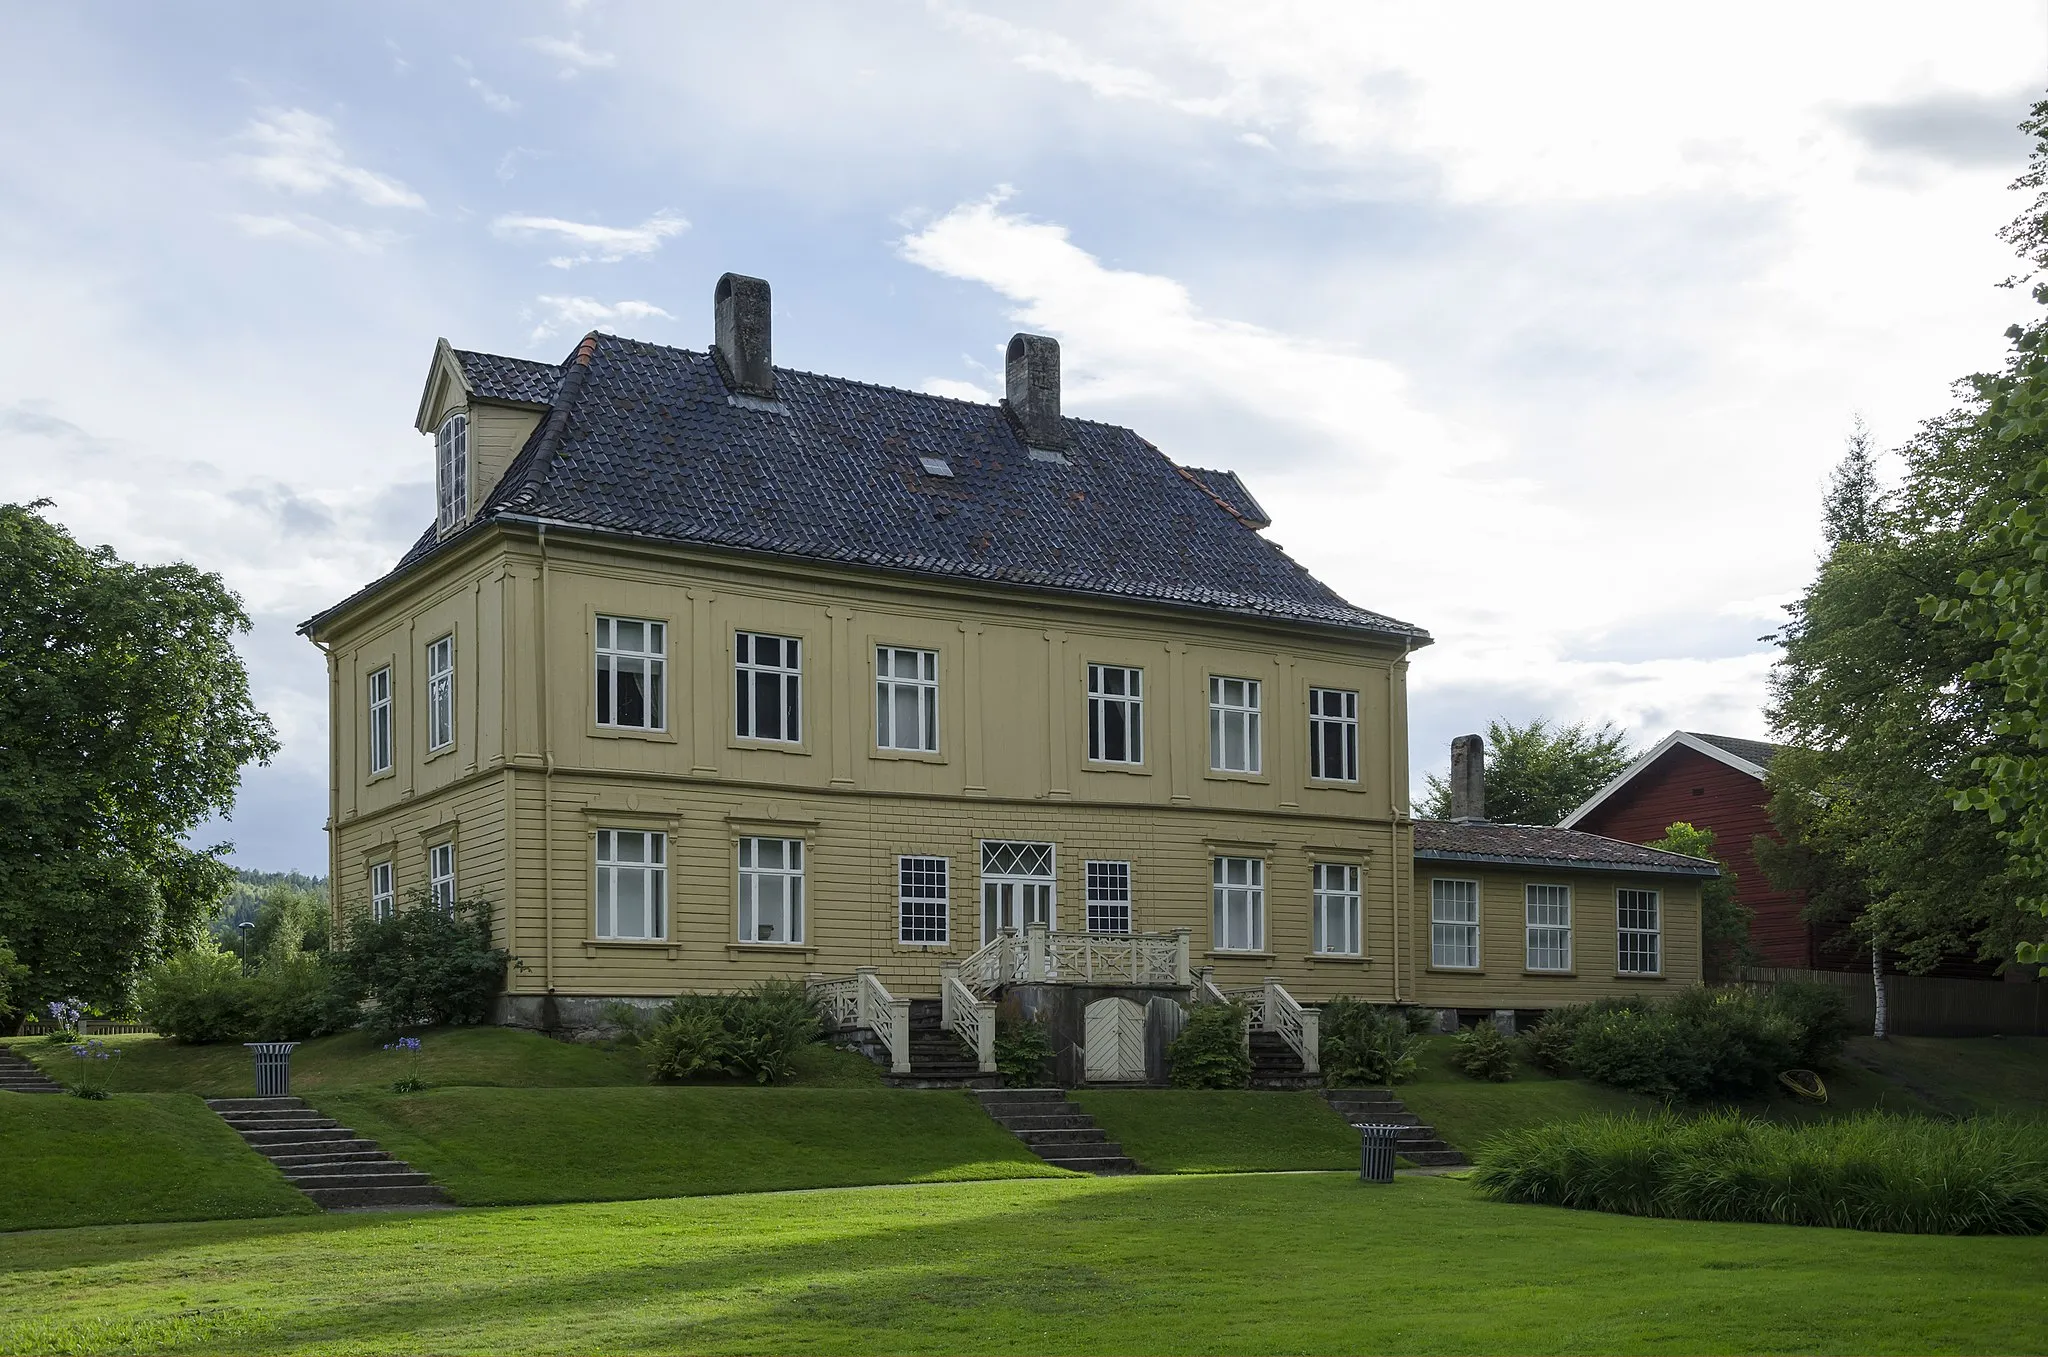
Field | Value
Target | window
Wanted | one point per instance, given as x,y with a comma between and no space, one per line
1637,932
380,721
383,896
1336,908
921,900
1454,924
451,471
632,885
772,890
906,699
441,875
1234,725
631,669
1109,897
1116,714
1240,905
1333,734
770,668
1550,928
441,693
1016,885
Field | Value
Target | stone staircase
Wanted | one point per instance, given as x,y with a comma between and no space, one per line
1275,1065
19,1076
1418,1143
1057,1131
937,1058
328,1162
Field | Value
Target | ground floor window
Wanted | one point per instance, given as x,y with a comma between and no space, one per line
632,885
921,900
772,890
383,894
1336,908
1550,928
1109,897
1454,924
1638,932
1240,921
1016,885
441,875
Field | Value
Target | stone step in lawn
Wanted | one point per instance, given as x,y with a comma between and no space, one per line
20,1076
1417,1142
1054,1129
338,1169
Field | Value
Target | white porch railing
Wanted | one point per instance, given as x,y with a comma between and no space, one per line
1042,956
864,1001
1270,1008
968,1016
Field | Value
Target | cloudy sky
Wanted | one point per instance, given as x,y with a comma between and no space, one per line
1539,326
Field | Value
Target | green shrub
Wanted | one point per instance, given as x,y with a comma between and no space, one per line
198,996
755,1034
1548,1044
1481,1052
1362,1044
14,998
1822,1013
1210,1051
1870,1172
1023,1052
293,996
1698,1044
426,966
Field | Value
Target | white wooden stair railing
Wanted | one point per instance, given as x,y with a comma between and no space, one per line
1270,1008
864,1001
967,1016
1041,956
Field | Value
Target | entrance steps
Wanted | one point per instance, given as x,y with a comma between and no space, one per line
20,1076
1275,1065
1418,1142
937,1057
1056,1130
338,1169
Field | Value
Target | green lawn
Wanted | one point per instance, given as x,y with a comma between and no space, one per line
1241,1264
132,1157
492,1146
1966,1074
1182,1131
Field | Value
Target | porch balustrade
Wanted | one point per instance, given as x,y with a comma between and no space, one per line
1041,956
862,1000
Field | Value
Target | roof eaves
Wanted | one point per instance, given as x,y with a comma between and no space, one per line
1682,867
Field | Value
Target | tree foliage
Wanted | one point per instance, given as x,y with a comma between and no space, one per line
1538,773
1724,920
125,721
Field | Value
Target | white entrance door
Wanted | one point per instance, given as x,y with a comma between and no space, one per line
1113,1031
1016,885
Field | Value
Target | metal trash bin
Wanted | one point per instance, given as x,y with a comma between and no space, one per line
273,1067
1376,1152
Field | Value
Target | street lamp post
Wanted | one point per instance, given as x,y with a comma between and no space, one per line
243,928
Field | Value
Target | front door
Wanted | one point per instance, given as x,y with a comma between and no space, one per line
1113,1033
1016,886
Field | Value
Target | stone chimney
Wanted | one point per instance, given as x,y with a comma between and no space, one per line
1468,780
1032,370
742,348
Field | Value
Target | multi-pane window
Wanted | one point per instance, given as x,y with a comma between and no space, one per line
1016,885
771,890
441,875
768,678
632,669
632,885
1109,897
1638,932
1116,714
906,699
380,721
1240,923
921,900
1550,928
451,471
1454,924
441,693
1336,908
383,895
1333,734
1234,725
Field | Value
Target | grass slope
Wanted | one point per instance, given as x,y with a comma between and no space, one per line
1314,1263
132,1157
491,1146
1966,1074
1183,1131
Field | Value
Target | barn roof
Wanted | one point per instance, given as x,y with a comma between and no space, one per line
1751,758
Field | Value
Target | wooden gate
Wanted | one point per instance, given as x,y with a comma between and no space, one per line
1114,1038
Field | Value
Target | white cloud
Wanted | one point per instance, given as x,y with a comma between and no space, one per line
600,244
297,151
584,313
492,99
304,229
959,390
574,56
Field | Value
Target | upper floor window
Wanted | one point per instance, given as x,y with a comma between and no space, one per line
1638,931
441,693
1454,924
906,699
380,721
632,884
451,471
383,895
1109,897
1116,714
921,915
1234,725
441,875
1240,922
631,667
1336,908
769,672
1550,928
1333,734
771,890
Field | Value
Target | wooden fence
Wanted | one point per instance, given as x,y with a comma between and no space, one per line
90,1027
1924,1006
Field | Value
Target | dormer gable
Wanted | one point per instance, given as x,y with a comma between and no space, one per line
479,410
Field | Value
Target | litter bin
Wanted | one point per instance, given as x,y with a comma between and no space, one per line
273,1067
1376,1153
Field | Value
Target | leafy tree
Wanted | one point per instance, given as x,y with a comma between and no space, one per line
1537,773
125,721
1724,920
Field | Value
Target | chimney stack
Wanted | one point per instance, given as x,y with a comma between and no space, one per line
1468,780
744,356
1032,372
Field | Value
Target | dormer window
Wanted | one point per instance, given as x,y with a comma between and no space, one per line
451,472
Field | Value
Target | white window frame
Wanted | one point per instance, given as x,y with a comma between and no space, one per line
383,891
614,863
919,688
1453,924
1246,894
451,471
1003,864
785,676
1634,940
1107,894
441,875
1342,723
923,904
1337,909
792,907
1243,715
1128,703
377,687
441,693
1548,936
614,659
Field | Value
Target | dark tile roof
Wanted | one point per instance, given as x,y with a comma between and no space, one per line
1758,752
520,380
1227,487
1536,846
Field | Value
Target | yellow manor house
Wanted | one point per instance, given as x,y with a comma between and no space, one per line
709,672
